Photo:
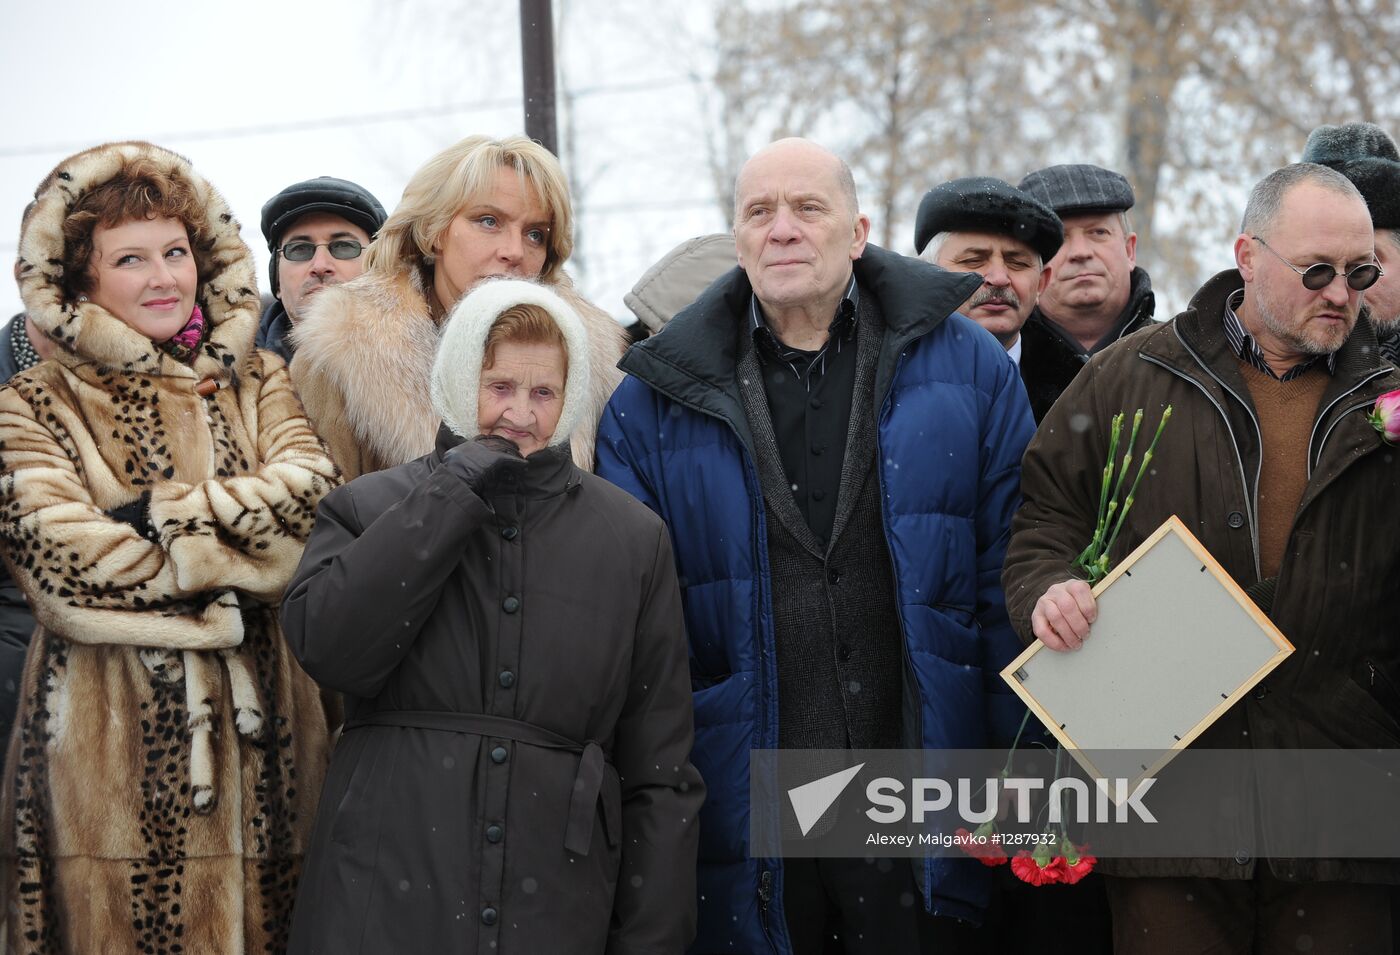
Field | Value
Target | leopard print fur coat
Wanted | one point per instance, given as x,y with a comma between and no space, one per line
168,752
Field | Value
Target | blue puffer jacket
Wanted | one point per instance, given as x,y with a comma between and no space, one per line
953,421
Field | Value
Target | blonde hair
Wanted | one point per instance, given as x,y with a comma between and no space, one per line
461,174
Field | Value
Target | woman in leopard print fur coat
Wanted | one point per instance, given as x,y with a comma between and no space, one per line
159,481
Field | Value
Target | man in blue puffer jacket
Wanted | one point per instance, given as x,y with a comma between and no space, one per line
837,455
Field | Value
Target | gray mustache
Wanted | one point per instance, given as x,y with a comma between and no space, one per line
1001,296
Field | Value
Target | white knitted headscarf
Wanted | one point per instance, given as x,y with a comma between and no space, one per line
462,350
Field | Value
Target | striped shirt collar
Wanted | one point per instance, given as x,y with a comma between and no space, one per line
804,364
1248,349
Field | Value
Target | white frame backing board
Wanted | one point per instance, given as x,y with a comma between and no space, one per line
1176,643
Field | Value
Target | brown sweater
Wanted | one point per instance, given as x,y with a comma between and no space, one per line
1286,411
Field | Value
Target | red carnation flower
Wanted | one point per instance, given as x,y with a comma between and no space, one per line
1028,869
984,845
1078,862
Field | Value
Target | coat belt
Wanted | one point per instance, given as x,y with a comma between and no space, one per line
588,784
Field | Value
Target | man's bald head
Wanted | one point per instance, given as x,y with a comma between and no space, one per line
797,229
797,149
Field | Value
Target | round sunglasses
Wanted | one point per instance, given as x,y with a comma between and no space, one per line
1318,277
302,251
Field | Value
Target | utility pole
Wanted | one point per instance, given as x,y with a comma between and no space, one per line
537,65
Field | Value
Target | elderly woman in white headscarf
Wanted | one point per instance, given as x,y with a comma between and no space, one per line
514,774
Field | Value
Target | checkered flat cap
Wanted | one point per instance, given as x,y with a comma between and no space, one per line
1080,188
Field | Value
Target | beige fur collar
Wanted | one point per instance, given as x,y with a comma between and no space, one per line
89,333
374,340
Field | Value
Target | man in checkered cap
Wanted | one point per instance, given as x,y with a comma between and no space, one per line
1097,293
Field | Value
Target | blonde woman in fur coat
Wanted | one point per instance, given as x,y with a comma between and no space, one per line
364,352
159,482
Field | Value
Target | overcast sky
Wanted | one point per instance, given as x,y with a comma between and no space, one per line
263,93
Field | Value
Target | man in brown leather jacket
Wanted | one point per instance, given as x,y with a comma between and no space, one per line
1271,462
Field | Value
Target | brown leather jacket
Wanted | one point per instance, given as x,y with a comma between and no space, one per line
1335,596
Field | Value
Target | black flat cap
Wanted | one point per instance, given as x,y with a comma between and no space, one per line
351,201
1079,188
982,204
1365,154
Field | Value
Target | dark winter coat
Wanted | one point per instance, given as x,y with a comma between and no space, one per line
1390,346
16,619
951,423
275,330
1050,359
1336,587
514,776
8,365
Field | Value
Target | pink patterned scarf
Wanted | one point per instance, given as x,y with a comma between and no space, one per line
184,344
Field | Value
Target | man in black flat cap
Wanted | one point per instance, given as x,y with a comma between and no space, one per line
987,226
983,225
1365,154
317,232
1097,294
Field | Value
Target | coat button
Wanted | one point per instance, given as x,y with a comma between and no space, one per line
818,494
818,449
834,576
1261,691
499,754
510,533
494,833
1235,520
511,604
1242,857
507,679
816,404
488,916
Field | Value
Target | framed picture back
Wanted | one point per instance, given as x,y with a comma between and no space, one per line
1176,643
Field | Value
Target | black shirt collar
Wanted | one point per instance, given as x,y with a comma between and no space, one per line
841,332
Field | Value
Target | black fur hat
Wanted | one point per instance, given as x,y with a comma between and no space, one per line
1366,155
982,204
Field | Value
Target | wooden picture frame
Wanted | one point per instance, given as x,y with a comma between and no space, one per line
1176,643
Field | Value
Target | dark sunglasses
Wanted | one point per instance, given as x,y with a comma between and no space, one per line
301,251
1318,277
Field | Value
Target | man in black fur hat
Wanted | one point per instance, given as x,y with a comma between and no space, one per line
990,227
1366,155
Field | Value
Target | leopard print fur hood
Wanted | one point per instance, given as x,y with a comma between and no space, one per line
168,751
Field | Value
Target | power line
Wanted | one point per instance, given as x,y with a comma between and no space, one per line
612,208
272,129
352,120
